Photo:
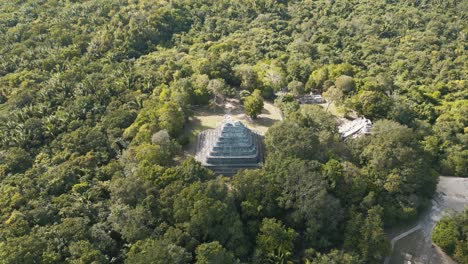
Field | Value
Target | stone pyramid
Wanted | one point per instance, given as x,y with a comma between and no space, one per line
229,147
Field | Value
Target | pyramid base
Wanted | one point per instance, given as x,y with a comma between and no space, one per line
231,169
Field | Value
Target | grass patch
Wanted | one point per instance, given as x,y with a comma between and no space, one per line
206,118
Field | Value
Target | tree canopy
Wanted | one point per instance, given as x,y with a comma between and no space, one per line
451,235
95,96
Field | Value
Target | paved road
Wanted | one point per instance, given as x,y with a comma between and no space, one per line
414,242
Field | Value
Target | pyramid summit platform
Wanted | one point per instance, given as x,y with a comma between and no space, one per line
229,147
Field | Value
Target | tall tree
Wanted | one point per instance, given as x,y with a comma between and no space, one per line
253,104
171,118
275,242
372,244
213,252
156,251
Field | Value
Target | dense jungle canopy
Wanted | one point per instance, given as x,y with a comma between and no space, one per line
94,102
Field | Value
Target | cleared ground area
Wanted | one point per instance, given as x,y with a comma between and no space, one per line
206,118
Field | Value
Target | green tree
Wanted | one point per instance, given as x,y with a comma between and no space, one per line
253,104
207,212
310,133
337,257
304,196
156,251
271,75
289,139
275,242
450,131
212,253
393,171
188,172
248,77
26,249
371,244
345,84
87,89
243,94
372,104
333,95
15,160
201,91
445,235
171,118
119,118
296,88
83,252
345,181
341,70
218,88
256,196
317,79
83,140
455,161
450,234
133,224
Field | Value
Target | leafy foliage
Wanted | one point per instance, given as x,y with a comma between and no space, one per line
451,235
213,252
274,242
153,251
253,104
95,95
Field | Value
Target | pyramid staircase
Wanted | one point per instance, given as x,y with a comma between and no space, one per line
230,147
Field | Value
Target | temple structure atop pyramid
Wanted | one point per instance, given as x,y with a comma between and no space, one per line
229,147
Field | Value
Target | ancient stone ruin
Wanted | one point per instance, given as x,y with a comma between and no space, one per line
229,147
355,128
